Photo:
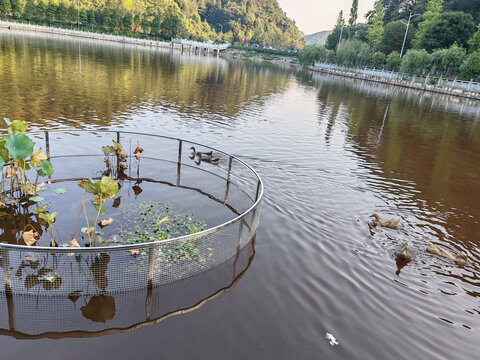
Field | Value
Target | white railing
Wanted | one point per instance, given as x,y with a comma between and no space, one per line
83,34
200,44
414,79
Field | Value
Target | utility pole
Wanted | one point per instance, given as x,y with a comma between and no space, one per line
221,31
341,33
78,15
406,31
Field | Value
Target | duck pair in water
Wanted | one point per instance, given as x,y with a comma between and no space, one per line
404,253
206,156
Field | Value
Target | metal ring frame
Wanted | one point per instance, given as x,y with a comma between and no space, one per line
258,199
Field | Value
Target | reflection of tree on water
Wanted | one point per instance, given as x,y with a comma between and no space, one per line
114,80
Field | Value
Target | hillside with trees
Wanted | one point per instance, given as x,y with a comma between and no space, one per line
245,21
443,38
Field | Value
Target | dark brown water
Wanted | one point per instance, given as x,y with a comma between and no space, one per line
328,161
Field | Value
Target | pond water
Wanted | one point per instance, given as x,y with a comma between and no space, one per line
329,159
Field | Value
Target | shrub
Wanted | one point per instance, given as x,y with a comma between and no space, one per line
471,68
353,52
394,61
379,60
415,61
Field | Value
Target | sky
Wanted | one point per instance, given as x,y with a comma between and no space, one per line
312,16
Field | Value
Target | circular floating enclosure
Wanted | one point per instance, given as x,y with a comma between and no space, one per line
215,199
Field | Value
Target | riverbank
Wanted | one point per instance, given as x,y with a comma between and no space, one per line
424,86
239,54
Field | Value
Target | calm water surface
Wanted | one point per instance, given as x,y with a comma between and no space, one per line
328,159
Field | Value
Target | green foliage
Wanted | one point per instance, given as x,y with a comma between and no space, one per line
379,59
5,7
16,7
394,61
29,10
353,13
471,68
434,8
447,60
474,42
353,52
311,53
393,36
334,37
19,146
447,29
257,21
375,28
415,61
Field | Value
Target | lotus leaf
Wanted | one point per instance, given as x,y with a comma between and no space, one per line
60,190
49,219
18,127
47,167
37,157
19,146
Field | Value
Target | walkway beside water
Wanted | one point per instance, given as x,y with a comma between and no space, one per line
470,90
176,44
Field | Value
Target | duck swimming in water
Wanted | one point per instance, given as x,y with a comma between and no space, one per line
404,253
201,155
460,258
391,224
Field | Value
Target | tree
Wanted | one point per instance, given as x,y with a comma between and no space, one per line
51,11
61,12
171,27
91,17
353,13
353,52
447,60
334,37
393,36
83,17
375,28
434,8
394,61
415,61
40,10
340,20
72,13
29,10
474,42
127,21
311,53
446,29
471,68
16,8
5,7
378,60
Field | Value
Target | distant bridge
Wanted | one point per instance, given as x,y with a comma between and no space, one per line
197,46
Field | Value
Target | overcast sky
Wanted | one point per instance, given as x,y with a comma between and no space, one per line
312,16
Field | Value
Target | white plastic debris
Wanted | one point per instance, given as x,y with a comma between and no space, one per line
333,341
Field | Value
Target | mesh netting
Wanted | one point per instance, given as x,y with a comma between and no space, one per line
224,180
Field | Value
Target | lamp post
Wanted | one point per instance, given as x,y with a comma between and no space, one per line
406,31
221,31
340,37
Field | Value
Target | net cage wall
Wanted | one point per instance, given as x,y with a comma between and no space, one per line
168,169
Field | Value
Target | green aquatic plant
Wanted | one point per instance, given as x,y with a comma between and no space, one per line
101,190
153,221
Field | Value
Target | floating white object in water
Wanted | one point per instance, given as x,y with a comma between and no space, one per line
331,339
